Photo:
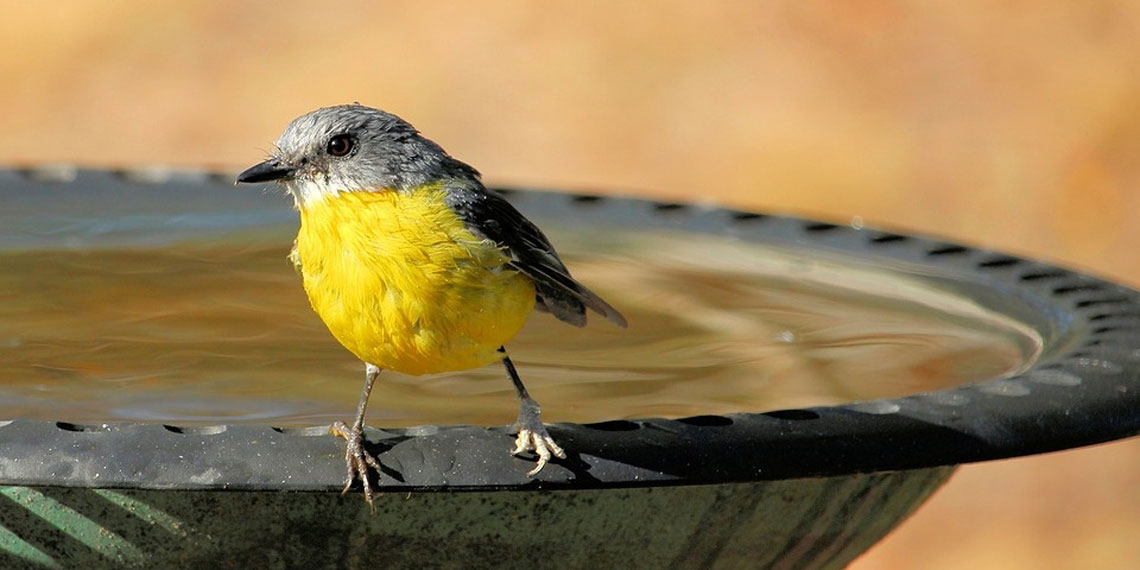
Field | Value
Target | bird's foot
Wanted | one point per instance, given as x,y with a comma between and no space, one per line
534,437
357,460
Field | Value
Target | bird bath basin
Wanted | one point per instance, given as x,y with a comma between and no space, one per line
787,393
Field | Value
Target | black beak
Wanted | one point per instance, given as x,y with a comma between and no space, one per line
265,172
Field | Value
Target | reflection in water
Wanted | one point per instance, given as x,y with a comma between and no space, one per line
220,331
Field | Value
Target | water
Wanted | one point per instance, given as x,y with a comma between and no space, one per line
217,330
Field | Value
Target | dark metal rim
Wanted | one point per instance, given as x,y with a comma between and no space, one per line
1085,390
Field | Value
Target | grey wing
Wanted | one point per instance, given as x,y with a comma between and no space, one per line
490,215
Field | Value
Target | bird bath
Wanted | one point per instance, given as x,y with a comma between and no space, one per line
787,393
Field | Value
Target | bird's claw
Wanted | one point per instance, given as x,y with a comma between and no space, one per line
542,444
534,437
357,460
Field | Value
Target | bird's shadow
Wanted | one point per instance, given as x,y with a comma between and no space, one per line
380,449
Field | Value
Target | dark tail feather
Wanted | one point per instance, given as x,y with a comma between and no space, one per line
567,299
598,305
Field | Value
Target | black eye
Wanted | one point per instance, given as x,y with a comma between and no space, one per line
340,145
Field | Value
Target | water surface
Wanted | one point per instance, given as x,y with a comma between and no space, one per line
216,329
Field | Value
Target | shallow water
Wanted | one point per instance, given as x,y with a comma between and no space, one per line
217,330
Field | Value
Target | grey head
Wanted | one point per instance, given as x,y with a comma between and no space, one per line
351,148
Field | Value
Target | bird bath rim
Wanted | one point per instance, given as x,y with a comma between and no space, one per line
1083,389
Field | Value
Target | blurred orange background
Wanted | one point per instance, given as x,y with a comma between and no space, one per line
1008,125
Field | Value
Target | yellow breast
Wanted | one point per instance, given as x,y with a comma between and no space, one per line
400,281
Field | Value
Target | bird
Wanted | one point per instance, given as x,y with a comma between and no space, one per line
413,264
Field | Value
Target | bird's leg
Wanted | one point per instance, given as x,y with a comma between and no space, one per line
357,459
532,434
